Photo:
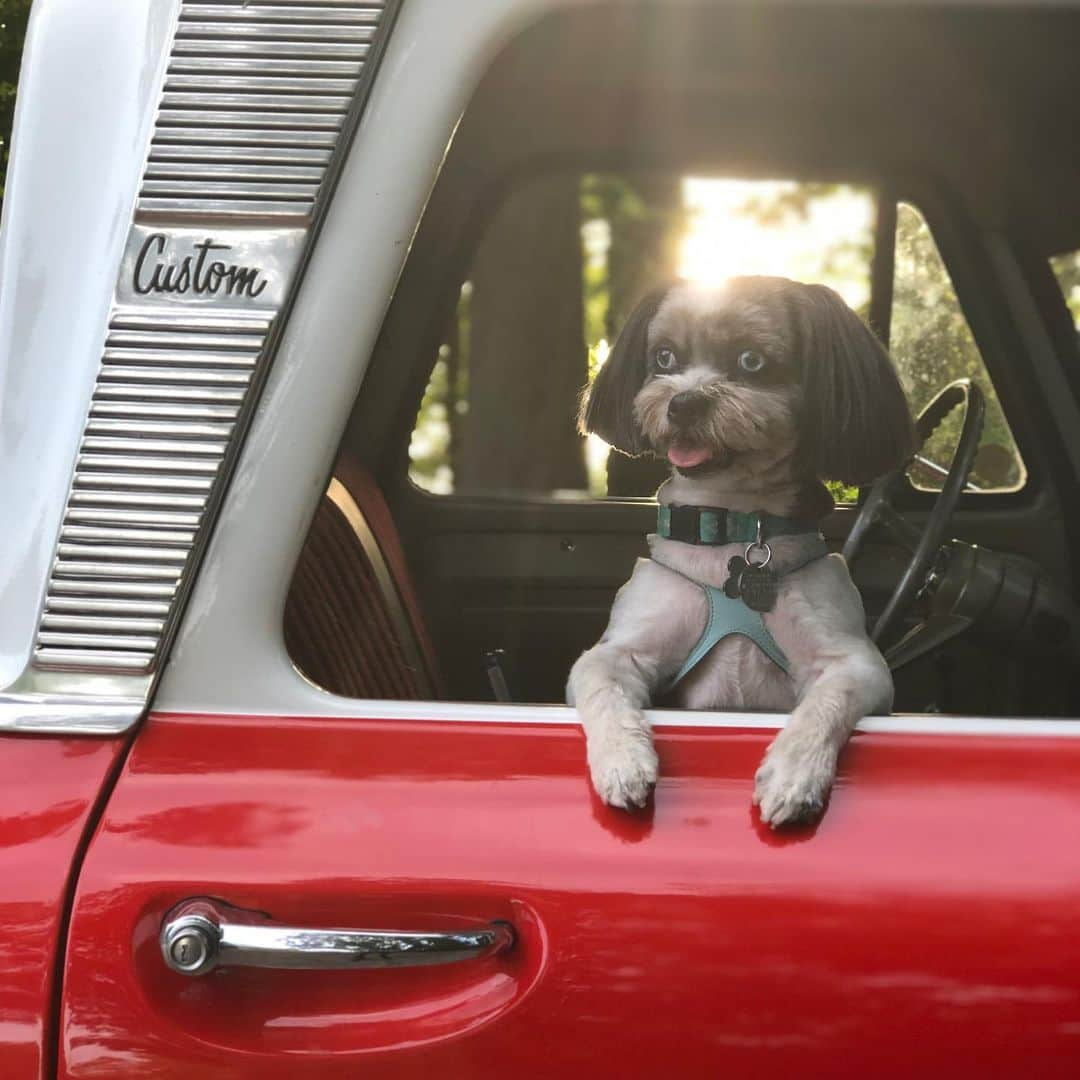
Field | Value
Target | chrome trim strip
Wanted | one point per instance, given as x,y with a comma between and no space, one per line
232,170
194,360
66,715
267,66
160,428
106,605
77,660
245,156
331,707
193,375
131,517
282,13
270,46
220,32
108,390
248,140
143,499
95,590
120,535
277,11
256,85
110,571
149,411
312,99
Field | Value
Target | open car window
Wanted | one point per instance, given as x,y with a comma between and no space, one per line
558,269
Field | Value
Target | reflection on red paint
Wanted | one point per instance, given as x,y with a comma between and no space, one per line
47,788
931,921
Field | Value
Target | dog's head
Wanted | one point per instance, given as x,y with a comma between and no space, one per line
760,366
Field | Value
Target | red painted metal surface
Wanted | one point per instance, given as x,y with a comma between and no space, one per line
930,925
47,789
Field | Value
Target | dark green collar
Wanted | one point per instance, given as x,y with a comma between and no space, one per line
713,525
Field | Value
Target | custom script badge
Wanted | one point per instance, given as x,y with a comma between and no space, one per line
227,268
205,271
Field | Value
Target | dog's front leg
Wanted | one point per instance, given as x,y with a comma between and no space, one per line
799,767
610,688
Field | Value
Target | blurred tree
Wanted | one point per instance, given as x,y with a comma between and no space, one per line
526,355
645,219
500,408
13,18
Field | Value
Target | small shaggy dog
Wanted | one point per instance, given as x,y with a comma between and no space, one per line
755,392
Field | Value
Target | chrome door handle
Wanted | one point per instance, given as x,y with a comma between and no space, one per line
201,934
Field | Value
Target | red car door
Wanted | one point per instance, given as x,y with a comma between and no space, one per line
49,787
929,925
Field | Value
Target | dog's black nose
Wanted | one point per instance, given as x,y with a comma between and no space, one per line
687,407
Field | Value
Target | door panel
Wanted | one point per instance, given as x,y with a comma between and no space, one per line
932,920
48,788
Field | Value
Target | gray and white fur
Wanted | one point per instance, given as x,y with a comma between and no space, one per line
755,391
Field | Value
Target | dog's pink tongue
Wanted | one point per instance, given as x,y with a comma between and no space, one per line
686,457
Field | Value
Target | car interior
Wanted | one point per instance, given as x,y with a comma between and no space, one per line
470,541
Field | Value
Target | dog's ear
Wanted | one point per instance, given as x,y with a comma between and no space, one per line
607,406
856,425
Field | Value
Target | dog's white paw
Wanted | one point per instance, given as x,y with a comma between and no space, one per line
624,768
793,782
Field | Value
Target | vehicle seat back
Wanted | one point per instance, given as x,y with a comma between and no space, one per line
353,624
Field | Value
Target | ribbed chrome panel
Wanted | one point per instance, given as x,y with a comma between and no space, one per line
255,97
141,486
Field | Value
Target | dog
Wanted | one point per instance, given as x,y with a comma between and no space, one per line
756,391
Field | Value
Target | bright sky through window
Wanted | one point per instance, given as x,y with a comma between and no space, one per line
777,227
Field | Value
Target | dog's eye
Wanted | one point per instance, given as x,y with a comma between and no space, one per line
751,362
665,359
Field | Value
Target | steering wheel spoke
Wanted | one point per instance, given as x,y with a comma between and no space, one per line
925,637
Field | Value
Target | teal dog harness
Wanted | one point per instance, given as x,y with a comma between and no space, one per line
727,617
727,614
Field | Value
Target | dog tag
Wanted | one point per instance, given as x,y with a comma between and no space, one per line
737,565
754,585
757,588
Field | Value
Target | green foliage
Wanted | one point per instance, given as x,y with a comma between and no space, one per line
431,448
842,493
13,18
1067,271
642,217
932,345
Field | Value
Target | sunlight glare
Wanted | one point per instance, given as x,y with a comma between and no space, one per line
725,238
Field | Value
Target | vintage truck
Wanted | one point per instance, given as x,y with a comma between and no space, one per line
299,548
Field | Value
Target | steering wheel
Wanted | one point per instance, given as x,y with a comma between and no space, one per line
878,508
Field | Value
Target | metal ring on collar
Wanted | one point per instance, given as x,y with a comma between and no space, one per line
758,545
